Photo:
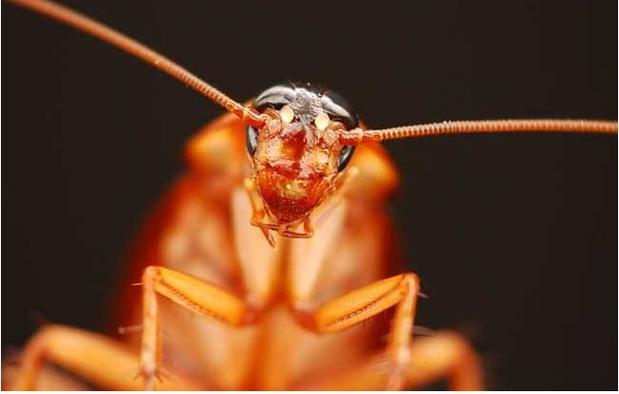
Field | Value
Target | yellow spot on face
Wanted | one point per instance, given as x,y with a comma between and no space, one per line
322,121
293,190
286,113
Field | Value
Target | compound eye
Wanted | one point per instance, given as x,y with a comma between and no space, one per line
345,156
251,140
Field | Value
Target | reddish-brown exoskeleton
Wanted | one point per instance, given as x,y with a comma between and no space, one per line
297,156
248,238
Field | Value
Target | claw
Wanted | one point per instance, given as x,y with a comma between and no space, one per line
149,377
399,361
395,382
268,236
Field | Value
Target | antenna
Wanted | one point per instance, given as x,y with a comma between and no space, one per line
141,51
250,116
358,135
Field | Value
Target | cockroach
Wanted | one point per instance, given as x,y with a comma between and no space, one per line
278,236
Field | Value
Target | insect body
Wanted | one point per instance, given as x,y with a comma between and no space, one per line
282,242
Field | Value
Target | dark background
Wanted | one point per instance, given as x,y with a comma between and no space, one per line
514,236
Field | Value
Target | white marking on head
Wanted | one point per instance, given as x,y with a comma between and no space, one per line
322,121
286,113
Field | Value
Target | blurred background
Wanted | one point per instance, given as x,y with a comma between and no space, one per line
514,237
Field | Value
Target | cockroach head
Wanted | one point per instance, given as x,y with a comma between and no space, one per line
297,154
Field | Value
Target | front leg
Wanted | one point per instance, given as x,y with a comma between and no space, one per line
443,355
99,360
368,301
259,215
198,296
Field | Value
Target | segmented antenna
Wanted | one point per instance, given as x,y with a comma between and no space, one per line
133,47
248,115
358,136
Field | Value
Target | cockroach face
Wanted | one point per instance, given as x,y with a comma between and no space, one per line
298,157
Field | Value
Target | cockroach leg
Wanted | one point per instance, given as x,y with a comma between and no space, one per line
363,303
258,214
198,296
257,220
444,355
307,232
84,354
